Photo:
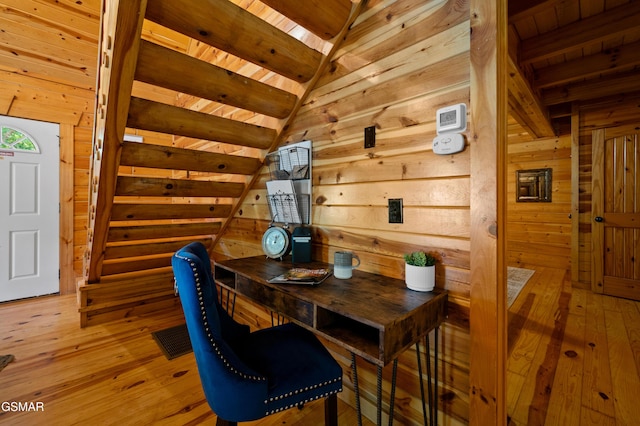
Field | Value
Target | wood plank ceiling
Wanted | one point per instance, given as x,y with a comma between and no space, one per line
570,52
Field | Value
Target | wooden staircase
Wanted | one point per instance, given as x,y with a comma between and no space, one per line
237,90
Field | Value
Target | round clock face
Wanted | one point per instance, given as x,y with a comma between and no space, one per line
276,242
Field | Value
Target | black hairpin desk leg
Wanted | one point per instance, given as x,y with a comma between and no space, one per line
432,389
393,391
356,387
435,385
424,409
356,390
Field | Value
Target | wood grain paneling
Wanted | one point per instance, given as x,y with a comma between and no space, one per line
394,78
539,234
488,304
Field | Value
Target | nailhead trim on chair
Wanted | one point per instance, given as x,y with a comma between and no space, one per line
306,389
207,328
286,407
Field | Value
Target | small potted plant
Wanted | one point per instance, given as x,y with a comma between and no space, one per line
420,271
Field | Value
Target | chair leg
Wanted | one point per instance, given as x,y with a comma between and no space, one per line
223,422
331,410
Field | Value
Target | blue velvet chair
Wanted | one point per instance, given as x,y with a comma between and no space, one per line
249,375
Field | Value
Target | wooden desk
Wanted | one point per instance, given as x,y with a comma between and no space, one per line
370,315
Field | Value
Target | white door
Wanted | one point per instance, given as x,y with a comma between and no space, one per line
29,208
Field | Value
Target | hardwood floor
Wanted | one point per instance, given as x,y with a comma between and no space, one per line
112,374
574,356
574,360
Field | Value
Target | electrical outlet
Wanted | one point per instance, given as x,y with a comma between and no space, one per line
395,210
370,137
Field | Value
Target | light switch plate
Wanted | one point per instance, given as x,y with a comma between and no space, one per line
370,137
395,210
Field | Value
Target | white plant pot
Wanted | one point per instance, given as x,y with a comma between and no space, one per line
420,278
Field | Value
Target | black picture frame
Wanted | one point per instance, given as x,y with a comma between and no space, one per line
533,186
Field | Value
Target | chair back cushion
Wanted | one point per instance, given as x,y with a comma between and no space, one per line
195,285
226,380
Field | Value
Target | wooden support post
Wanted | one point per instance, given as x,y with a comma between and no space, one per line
488,319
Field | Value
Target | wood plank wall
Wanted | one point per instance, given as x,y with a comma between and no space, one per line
539,234
400,62
37,99
51,77
619,111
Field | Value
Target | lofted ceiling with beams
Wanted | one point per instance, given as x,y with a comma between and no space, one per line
565,52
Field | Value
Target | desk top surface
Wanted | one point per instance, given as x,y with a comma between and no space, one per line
369,298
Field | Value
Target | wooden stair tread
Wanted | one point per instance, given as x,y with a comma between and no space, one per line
226,26
146,249
148,232
165,187
124,266
122,211
324,18
162,118
171,158
173,70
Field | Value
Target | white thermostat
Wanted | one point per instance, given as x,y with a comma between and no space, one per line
449,143
451,119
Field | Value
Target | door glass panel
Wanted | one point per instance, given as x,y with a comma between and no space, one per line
16,140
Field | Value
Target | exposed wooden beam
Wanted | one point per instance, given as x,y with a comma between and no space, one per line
613,60
124,212
488,163
520,114
519,9
172,70
592,89
525,106
170,158
163,187
226,26
157,117
609,25
560,110
324,18
149,232
118,53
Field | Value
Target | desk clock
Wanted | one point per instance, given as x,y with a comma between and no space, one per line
276,242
